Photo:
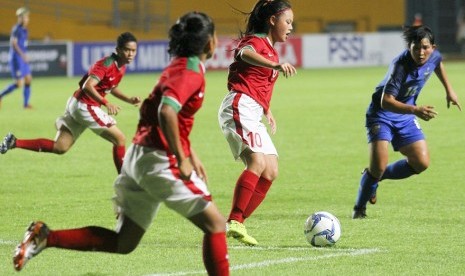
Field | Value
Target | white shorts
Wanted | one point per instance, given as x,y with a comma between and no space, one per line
80,116
240,119
147,179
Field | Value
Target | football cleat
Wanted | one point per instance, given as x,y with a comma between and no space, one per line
359,213
9,142
237,230
35,240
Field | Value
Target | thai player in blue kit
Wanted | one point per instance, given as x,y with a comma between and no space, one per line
392,115
17,58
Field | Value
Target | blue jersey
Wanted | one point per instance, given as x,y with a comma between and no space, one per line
404,80
21,35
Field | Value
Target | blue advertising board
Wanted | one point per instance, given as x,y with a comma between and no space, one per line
152,56
45,59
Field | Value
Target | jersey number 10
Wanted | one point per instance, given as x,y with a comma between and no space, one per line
255,139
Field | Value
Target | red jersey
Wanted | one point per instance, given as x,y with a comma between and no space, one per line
107,72
255,81
181,85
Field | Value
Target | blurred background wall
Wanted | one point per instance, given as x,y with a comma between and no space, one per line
91,20
149,19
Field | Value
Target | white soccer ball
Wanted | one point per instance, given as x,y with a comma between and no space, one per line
322,229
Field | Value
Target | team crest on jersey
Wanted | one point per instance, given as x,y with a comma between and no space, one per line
374,129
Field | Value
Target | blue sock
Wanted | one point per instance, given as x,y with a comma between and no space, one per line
398,170
368,185
8,89
27,94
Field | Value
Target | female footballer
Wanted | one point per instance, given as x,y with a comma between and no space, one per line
83,109
160,166
392,115
251,78
18,58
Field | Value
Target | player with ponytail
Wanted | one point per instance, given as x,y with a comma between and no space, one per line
251,78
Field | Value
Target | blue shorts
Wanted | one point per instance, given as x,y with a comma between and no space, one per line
19,68
400,134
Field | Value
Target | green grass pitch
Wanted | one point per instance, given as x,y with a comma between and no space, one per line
415,228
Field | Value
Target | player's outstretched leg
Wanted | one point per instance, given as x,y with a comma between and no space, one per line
35,240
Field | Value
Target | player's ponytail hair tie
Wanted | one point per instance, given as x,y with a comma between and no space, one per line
281,11
266,2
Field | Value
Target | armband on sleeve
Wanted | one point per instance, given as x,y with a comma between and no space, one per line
171,102
241,51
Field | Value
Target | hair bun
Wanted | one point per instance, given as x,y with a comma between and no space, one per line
193,24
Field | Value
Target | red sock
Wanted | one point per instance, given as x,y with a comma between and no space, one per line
215,254
118,155
44,145
244,190
91,238
259,194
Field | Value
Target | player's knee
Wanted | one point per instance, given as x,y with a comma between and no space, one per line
376,172
420,166
257,165
218,225
271,174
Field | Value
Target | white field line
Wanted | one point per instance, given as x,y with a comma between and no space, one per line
335,253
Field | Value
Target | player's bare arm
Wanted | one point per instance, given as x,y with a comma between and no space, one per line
89,89
271,121
198,166
451,96
120,95
253,58
424,112
169,125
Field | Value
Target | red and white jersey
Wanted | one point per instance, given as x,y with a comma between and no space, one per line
255,81
182,86
108,74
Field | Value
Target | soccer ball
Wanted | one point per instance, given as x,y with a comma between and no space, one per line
322,229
